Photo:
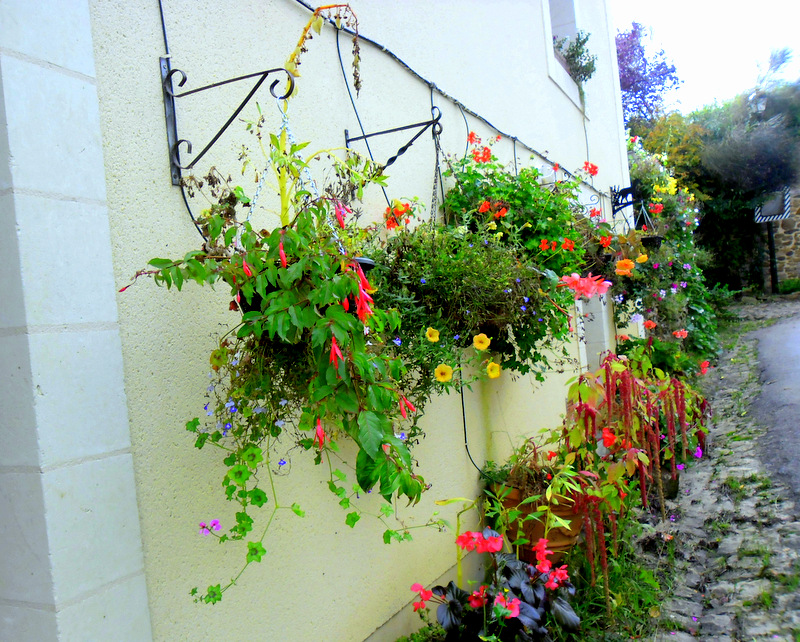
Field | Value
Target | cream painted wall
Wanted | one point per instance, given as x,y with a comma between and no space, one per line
320,579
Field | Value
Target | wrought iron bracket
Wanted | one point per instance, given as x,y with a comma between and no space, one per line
620,199
174,143
434,124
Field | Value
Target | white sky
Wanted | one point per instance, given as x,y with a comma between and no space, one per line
718,47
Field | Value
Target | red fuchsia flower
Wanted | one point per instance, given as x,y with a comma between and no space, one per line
649,325
473,138
512,606
340,209
551,454
568,245
609,438
501,213
655,208
319,436
281,253
478,598
681,334
363,299
484,207
544,244
246,268
336,353
605,241
704,366
595,212
405,403
590,168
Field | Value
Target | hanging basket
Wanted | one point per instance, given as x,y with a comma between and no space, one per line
652,242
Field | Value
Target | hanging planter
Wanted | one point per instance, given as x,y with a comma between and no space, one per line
652,242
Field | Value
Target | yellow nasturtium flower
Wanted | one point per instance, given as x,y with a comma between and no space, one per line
443,373
481,341
493,370
432,335
642,258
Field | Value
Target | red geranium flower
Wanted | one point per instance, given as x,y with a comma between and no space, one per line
590,168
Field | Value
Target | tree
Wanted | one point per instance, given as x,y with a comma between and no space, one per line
643,81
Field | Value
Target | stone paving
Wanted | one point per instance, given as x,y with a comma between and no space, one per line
736,532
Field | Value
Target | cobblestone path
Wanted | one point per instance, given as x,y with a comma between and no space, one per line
736,529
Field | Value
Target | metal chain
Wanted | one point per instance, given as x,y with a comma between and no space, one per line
309,181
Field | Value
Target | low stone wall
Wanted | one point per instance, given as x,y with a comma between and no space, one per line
787,243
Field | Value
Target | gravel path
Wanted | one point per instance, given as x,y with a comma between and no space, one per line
737,527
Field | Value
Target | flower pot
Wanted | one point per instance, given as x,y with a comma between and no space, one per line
559,540
652,242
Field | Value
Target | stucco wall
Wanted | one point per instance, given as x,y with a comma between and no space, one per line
320,579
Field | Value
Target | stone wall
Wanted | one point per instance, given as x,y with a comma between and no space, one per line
787,242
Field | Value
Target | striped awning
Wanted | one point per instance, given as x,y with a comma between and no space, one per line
777,208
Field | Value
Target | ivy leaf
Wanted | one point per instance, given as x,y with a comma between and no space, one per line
255,551
352,518
297,510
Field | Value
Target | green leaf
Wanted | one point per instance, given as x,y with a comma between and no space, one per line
297,510
352,518
370,432
213,594
161,264
255,551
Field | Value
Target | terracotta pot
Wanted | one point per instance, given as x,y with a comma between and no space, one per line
559,540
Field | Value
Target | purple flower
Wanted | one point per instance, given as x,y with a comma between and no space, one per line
526,299
680,466
282,462
208,412
698,453
279,423
214,525
423,281
523,308
686,266
637,318
397,341
655,265
456,337
518,280
283,402
684,284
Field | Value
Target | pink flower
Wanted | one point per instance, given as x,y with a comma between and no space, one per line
204,529
512,606
586,286
541,550
698,453
681,334
424,595
704,366
488,544
478,598
466,540
282,254
544,566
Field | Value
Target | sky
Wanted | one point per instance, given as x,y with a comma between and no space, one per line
718,47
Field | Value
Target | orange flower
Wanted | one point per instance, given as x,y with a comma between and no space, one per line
501,213
568,245
624,267
484,207
649,325
681,334
605,241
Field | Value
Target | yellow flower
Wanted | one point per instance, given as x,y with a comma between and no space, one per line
492,225
642,258
493,370
432,335
443,373
481,341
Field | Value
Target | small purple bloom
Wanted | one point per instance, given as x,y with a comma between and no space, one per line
397,341
283,402
214,525
208,412
456,337
540,319
686,266
637,318
698,453
279,423
204,529
282,462
523,308
684,284
680,466
655,265
518,281
423,281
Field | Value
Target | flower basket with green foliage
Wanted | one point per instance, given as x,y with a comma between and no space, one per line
312,361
